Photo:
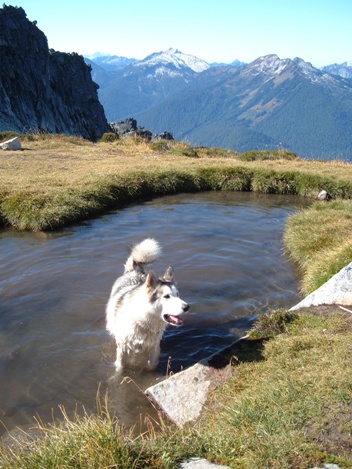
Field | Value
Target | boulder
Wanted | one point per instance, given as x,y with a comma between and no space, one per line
163,136
323,195
337,290
183,395
12,144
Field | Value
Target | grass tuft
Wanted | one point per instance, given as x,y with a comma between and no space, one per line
263,155
272,323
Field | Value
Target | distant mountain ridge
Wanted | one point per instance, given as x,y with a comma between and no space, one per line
144,83
344,70
110,62
270,102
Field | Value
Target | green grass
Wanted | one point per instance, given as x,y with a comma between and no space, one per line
34,210
288,409
319,240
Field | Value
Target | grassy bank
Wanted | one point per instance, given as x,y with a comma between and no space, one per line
57,181
287,406
319,240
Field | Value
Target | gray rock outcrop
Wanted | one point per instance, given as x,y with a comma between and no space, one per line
41,89
124,127
128,128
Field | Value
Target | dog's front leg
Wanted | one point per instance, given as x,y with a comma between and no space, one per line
154,357
121,357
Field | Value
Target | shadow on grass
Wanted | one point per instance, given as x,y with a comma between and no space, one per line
244,350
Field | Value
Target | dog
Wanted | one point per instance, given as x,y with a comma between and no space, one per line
140,307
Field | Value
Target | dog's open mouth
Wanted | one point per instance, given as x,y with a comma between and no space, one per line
173,320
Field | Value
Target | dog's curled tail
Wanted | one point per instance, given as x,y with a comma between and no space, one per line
143,253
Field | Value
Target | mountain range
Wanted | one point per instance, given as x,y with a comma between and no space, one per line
269,103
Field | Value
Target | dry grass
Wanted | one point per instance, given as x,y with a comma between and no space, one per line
60,163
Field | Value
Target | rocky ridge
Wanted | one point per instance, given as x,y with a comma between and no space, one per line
43,90
128,128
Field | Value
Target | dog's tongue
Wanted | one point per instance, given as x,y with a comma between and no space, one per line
174,320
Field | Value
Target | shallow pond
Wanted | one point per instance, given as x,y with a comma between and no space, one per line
226,248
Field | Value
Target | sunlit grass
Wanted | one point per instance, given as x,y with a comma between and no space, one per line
279,412
319,240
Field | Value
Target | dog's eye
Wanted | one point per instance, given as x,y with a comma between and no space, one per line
167,296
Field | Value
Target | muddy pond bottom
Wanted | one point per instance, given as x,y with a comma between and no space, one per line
226,249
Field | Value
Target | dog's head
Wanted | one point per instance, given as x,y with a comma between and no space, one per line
164,296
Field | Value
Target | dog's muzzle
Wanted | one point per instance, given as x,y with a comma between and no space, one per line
176,320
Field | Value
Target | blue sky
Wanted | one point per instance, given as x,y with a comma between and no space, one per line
318,31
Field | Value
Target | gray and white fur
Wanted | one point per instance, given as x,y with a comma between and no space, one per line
140,307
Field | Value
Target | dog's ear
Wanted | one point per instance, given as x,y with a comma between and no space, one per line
151,280
169,275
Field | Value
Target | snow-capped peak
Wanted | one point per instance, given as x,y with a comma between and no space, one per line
271,64
176,58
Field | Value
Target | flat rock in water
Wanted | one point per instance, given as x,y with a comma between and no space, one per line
182,396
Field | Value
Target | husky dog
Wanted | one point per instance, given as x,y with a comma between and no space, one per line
140,307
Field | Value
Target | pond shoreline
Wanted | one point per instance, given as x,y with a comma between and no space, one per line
36,212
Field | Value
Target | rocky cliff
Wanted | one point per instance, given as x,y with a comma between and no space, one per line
41,89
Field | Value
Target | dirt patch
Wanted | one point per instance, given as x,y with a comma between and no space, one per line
335,437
